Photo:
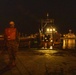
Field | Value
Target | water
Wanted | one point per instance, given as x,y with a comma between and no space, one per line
69,44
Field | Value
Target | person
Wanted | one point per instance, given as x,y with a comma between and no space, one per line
11,39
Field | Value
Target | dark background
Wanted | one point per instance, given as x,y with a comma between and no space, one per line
28,13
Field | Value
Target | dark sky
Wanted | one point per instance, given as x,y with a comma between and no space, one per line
27,14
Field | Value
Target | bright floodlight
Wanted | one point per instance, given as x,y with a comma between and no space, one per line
47,29
53,29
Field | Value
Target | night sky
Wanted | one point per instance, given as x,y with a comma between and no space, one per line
28,13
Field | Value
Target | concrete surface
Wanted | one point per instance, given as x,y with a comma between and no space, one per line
40,62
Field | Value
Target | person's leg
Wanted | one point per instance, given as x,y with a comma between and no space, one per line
14,53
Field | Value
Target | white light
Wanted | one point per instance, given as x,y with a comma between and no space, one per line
51,47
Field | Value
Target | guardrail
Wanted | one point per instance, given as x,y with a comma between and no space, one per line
24,42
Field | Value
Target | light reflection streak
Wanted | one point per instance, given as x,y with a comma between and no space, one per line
48,52
69,43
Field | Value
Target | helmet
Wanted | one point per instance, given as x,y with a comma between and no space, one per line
11,23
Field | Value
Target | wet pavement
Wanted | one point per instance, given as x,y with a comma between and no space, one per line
40,62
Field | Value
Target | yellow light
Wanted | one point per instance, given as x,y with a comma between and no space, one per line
47,29
51,40
53,29
64,35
